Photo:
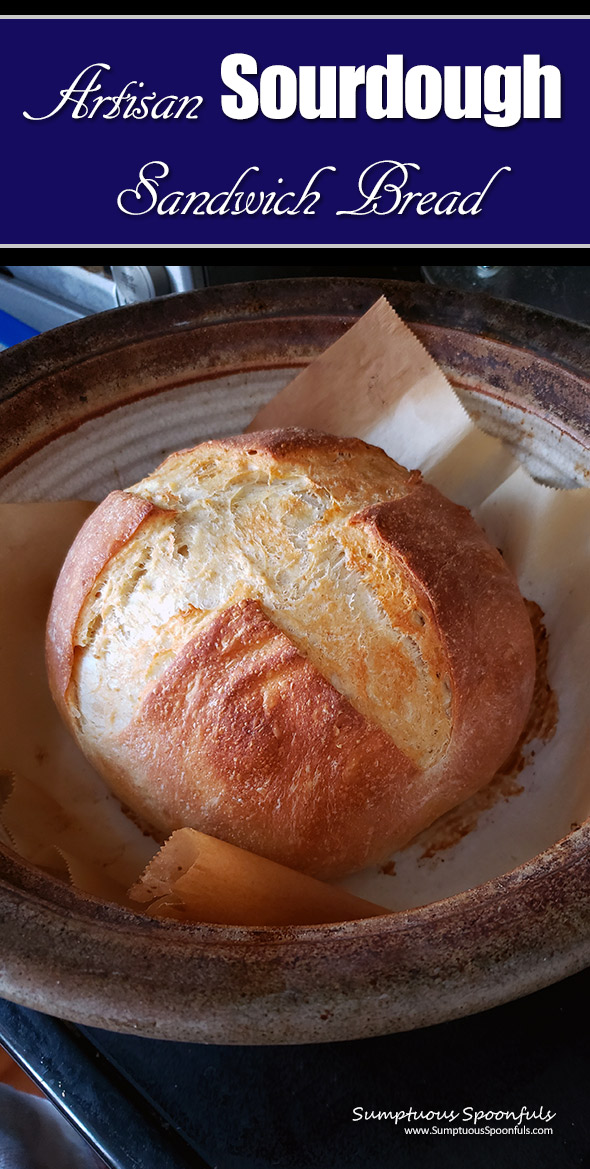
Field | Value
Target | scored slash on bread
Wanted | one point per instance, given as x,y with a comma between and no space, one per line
287,640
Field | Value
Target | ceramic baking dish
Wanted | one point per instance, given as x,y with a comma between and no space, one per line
94,405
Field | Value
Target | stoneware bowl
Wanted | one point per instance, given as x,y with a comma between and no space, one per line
95,405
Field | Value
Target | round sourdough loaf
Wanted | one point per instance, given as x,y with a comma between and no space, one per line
287,640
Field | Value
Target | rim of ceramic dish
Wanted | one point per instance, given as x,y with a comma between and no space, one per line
92,962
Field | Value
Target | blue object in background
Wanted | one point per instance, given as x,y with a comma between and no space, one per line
13,331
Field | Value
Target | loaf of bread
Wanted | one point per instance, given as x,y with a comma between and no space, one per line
288,641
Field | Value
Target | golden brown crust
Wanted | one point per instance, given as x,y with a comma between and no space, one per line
483,627
260,750
103,534
345,465
309,652
291,442
294,441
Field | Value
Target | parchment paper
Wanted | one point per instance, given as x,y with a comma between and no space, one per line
56,810
377,382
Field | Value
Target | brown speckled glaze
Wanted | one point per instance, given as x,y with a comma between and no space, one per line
76,957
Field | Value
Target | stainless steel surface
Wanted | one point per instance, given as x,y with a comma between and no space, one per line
46,296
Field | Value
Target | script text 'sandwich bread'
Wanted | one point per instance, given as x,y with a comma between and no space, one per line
288,641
